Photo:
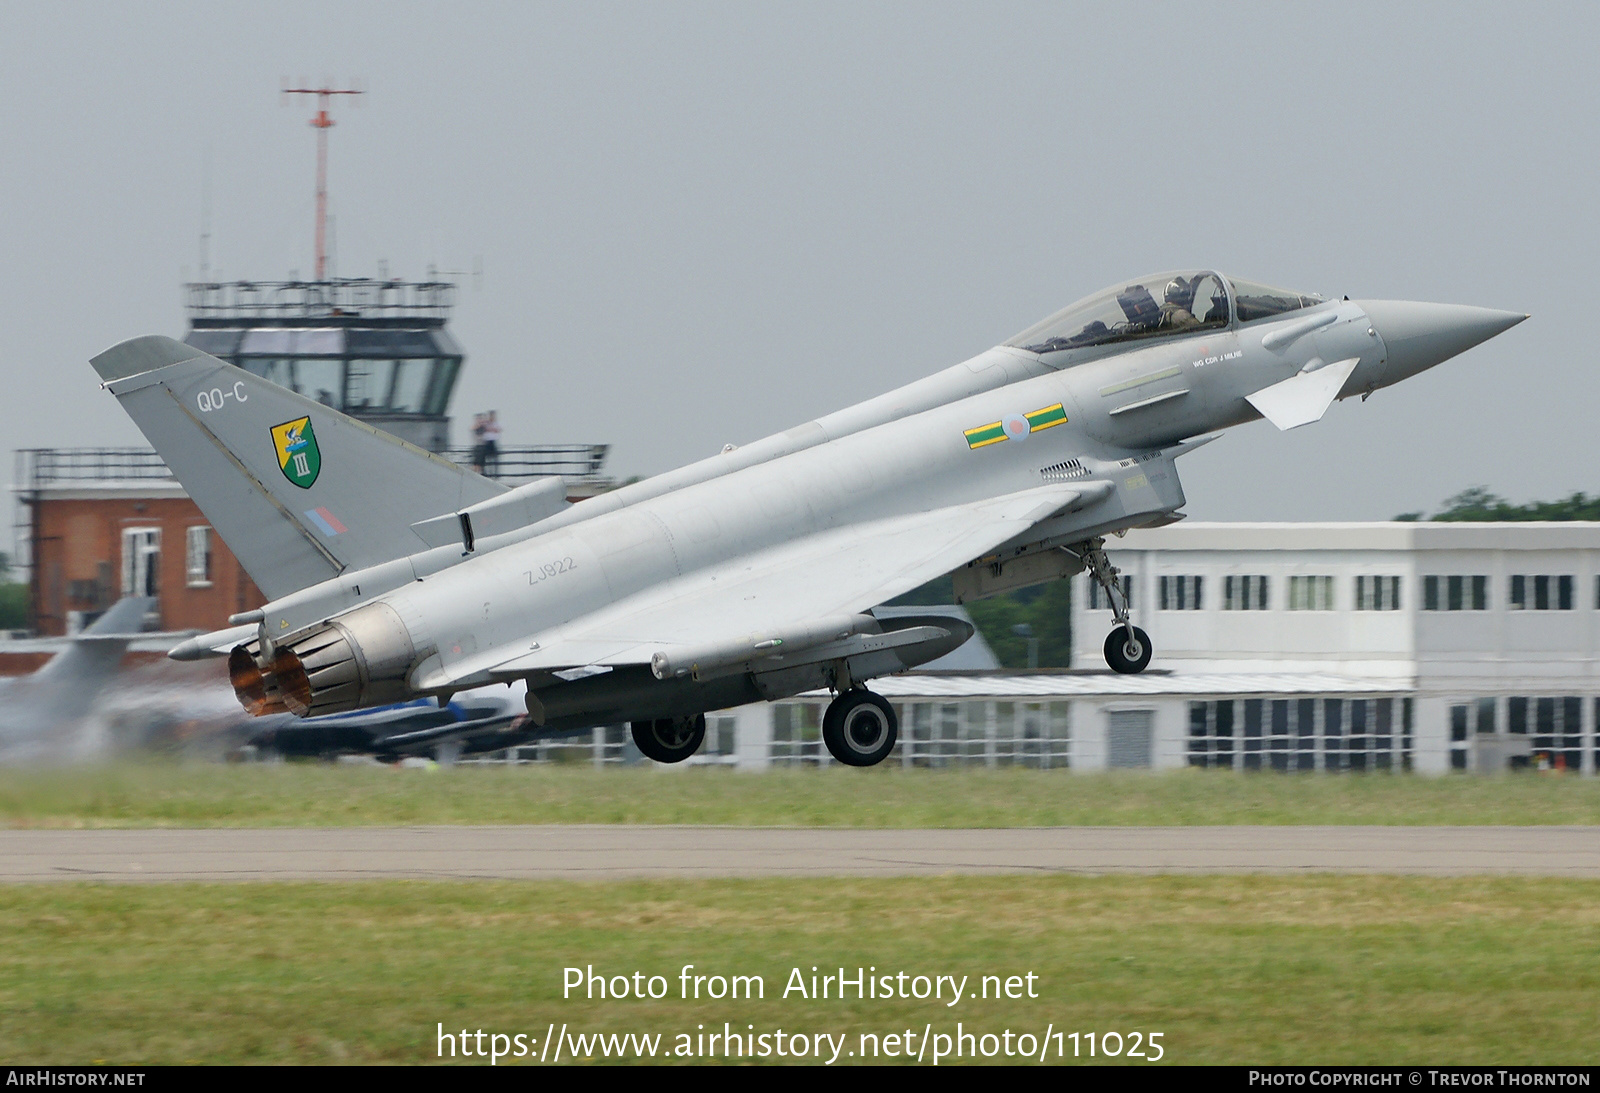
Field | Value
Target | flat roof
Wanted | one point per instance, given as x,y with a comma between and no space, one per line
1391,535
1108,684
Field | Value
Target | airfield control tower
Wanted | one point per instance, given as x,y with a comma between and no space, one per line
376,350
93,524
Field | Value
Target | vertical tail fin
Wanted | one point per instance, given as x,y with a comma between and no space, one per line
297,490
82,667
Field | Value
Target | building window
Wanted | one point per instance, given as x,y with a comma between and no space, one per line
1377,593
1211,733
1458,737
983,733
1467,722
1556,727
1180,593
197,558
964,733
1540,593
1244,593
1455,593
1099,601
797,734
1302,734
720,742
1310,593
1558,733
1026,734
141,561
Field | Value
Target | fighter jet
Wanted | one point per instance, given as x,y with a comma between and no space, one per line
751,574
61,692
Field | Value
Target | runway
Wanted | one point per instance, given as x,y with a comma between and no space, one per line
617,852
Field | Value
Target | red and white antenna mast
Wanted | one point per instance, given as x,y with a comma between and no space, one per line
322,123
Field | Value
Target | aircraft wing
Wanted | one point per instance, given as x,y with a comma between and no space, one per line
801,592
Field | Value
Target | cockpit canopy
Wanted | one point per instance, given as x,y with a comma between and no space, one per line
1161,305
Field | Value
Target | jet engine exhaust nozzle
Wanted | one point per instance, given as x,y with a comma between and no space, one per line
360,659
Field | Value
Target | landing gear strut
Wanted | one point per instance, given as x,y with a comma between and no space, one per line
859,728
1127,647
670,739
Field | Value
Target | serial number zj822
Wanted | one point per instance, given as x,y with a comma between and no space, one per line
550,569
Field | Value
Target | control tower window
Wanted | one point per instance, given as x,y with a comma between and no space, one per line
368,388
322,380
444,379
268,342
319,342
410,388
1258,301
1162,305
274,370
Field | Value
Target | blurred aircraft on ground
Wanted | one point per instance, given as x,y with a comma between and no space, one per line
33,708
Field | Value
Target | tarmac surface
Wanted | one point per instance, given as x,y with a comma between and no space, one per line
615,852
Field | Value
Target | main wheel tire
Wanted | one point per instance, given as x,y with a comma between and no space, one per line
1128,657
670,739
860,728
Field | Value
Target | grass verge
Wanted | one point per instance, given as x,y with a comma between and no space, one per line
317,795
1257,969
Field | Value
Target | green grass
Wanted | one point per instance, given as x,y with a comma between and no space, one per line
1257,969
323,795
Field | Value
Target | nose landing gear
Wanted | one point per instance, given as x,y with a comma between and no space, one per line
1127,647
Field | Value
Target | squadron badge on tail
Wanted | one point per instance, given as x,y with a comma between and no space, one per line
298,455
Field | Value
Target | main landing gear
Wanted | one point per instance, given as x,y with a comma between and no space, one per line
1127,647
859,728
670,739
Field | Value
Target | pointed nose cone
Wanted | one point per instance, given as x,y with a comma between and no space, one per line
1419,336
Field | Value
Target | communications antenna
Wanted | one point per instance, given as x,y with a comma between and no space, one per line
322,123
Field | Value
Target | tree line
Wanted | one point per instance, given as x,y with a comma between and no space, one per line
1476,503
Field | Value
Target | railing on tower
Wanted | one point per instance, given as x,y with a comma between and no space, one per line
339,299
39,468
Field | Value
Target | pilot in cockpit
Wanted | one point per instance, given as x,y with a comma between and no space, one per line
1177,312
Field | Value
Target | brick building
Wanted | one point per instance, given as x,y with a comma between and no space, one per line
102,523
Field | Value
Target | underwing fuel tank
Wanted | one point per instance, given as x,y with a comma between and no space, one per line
359,659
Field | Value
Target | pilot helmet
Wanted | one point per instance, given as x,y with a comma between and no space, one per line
1179,292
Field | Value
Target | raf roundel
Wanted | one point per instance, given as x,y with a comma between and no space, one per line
1016,426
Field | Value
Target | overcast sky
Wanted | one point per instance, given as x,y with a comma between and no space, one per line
704,223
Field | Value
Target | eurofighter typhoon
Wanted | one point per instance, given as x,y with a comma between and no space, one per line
750,575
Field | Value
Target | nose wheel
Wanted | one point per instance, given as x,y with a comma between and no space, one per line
1127,650
670,739
859,728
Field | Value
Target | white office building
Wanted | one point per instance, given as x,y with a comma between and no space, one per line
1487,633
